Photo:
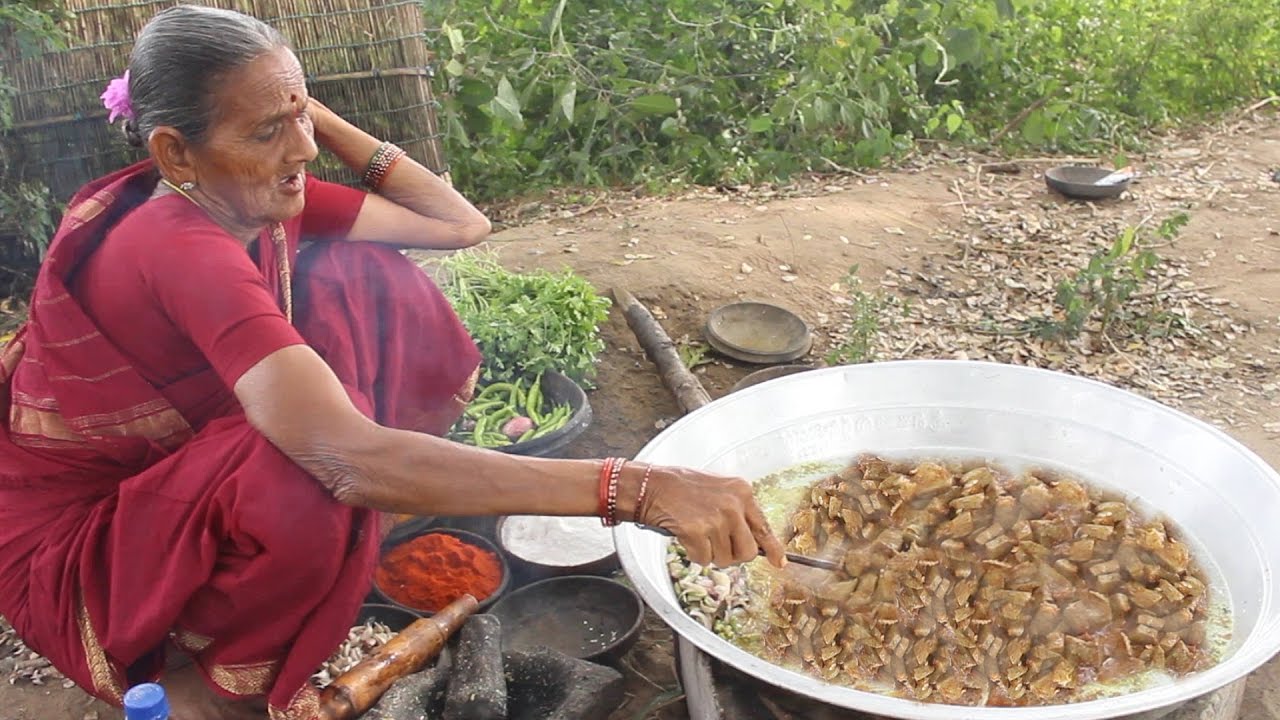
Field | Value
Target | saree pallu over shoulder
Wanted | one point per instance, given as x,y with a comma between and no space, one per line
74,391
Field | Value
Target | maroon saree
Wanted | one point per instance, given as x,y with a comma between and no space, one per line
123,528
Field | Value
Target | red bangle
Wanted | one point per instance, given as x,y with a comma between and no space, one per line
602,507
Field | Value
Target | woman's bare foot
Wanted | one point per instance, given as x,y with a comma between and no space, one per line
190,698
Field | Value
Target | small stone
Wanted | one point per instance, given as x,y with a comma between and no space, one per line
477,688
746,269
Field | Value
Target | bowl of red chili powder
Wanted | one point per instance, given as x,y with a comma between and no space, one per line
426,571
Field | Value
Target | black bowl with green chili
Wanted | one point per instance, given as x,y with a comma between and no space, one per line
556,408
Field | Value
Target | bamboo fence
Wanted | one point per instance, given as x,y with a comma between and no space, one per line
368,60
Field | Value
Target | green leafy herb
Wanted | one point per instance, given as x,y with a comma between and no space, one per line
526,323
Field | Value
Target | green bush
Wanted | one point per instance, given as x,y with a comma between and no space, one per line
724,91
28,211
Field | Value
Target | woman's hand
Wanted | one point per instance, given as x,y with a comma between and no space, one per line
715,518
323,120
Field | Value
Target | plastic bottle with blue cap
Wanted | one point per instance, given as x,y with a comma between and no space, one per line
146,702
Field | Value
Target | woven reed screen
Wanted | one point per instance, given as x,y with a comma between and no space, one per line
368,60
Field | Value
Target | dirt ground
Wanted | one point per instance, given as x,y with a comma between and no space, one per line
684,257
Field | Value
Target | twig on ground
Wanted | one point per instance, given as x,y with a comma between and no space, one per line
1261,103
1017,119
631,666
1173,292
1039,160
955,188
848,171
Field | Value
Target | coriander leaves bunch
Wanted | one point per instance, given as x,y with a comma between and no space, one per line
526,323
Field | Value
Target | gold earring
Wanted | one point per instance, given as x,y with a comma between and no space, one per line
181,189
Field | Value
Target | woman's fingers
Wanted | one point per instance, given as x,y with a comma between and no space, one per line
698,546
722,540
754,523
763,534
715,518
745,548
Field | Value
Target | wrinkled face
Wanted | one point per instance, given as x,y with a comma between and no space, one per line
249,169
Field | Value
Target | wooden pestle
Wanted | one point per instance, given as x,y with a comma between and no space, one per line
360,688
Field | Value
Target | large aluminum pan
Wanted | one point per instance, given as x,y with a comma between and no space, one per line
1223,497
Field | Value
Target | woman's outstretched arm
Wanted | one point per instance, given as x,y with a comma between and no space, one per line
296,401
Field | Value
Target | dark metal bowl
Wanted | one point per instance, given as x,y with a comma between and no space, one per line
767,374
524,570
583,616
471,538
757,332
394,617
1077,181
557,388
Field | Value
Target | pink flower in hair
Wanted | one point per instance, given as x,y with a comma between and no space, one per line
116,98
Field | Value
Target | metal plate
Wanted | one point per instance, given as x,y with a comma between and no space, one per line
757,332
1077,182
1221,496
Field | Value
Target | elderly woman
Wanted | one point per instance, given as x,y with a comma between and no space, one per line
204,423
